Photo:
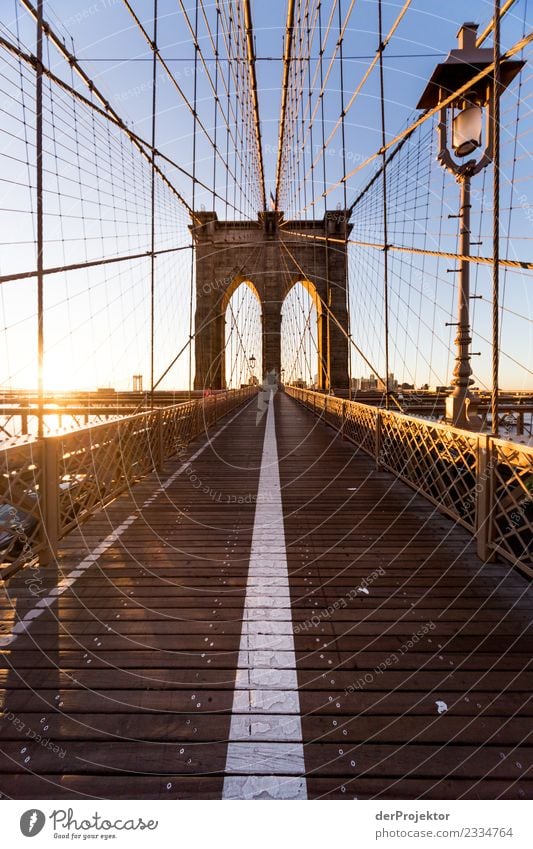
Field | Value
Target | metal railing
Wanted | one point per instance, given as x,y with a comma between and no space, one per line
484,483
50,486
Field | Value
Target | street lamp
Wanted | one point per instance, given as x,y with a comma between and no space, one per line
252,362
466,111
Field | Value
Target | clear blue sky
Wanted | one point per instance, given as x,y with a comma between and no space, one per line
97,322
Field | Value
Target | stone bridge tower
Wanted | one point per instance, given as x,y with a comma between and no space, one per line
271,257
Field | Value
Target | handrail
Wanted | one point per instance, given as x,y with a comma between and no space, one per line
484,483
49,486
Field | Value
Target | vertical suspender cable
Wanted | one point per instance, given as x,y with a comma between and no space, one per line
238,108
152,258
385,227
306,72
287,59
312,172
40,220
228,89
327,381
193,203
217,103
496,223
345,200
255,99
320,320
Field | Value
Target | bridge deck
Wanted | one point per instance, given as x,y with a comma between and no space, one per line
372,633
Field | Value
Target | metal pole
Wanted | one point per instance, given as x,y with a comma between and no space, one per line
385,222
345,201
195,121
496,224
327,381
152,259
40,222
459,401
217,106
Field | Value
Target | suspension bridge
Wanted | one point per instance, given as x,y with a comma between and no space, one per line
266,402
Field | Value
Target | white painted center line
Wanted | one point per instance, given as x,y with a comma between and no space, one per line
265,757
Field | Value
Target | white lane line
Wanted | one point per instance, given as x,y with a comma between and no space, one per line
265,757
65,583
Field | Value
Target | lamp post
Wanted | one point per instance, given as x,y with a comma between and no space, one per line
466,110
252,362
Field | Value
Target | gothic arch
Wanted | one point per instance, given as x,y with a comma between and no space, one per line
321,358
270,259
237,281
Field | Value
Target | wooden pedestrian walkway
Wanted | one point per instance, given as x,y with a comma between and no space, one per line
271,617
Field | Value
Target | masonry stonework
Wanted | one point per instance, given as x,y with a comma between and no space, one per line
273,255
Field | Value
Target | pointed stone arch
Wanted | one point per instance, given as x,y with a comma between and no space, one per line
270,255
240,280
321,321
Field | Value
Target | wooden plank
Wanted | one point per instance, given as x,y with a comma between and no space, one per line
209,727
145,615
387,761
352,523
125,581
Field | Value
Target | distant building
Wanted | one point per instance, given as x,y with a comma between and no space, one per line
393,384
368,384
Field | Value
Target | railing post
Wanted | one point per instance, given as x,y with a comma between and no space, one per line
483,497
343,420
198,417
159,451
379,424
50,500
